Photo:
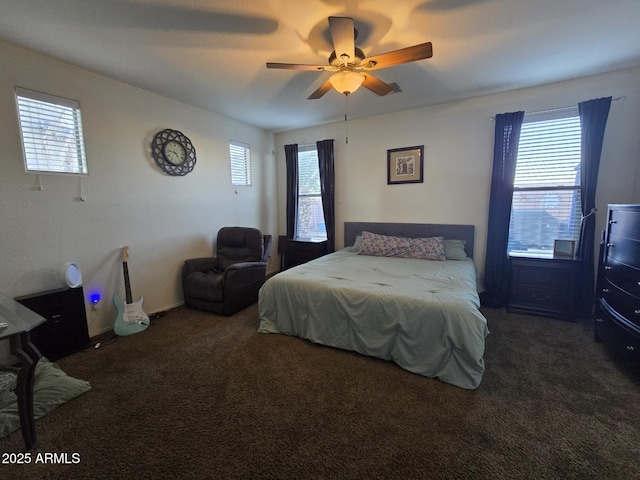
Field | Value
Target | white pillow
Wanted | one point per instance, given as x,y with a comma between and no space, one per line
357,245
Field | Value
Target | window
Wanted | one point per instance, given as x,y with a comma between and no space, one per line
310,219
546,197
51,130
240,154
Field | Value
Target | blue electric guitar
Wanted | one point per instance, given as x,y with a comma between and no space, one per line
131,317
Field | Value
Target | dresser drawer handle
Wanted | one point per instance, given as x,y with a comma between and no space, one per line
608,267
609,245
599,320
630,348
613,221
637,312
606,290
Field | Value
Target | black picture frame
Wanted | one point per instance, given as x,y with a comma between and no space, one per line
405,165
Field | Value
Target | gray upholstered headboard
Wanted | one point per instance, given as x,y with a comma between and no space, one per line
460,232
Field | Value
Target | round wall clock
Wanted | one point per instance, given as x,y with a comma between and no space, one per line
173,152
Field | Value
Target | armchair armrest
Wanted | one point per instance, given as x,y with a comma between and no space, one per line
203,264
247,265
244,273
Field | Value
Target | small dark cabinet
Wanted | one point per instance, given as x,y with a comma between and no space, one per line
65,331
618,285
303,251
543,286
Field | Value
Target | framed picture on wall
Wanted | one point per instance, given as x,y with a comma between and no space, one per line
405,165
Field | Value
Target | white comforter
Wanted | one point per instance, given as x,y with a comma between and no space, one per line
421,314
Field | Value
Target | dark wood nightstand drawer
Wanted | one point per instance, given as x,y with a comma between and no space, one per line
541,276
543,286
300,252
549,299
304,255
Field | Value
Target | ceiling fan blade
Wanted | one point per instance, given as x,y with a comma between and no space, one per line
397,57
322,89
343,36
296,66
376,85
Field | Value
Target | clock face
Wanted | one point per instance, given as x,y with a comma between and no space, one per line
174,152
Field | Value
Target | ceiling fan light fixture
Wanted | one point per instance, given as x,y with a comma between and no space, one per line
350,64
346,81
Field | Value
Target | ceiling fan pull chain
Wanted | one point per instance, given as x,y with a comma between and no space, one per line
346,121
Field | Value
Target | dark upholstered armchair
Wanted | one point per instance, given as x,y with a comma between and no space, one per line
228,282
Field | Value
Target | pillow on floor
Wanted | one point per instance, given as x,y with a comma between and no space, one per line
51,388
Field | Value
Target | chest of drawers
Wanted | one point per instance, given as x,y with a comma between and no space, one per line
618,285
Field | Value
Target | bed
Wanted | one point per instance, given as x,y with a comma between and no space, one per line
421,314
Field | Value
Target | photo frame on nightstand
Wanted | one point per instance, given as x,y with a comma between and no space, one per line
564,248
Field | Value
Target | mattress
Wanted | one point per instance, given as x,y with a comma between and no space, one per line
423,315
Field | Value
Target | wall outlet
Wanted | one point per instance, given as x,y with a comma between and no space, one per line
95,301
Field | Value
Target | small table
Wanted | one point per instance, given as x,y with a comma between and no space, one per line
304,250
21,321
543,285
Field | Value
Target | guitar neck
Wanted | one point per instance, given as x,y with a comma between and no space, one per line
127,284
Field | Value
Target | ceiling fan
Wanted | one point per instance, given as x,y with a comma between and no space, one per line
350,65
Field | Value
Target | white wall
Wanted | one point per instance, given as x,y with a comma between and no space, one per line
458,147
129,200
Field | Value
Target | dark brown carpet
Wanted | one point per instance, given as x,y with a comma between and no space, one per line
202,396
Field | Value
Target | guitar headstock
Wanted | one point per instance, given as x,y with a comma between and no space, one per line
124,253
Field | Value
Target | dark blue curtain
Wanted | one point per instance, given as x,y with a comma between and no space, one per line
291,158
505,152
327,187
593,120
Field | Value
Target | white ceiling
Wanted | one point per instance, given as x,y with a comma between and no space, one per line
212,53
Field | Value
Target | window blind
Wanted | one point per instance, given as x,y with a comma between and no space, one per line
310,214
51,132
546,197
240,154
549,153
308,171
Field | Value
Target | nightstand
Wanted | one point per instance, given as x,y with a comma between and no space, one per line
303,251
543,285
65,330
